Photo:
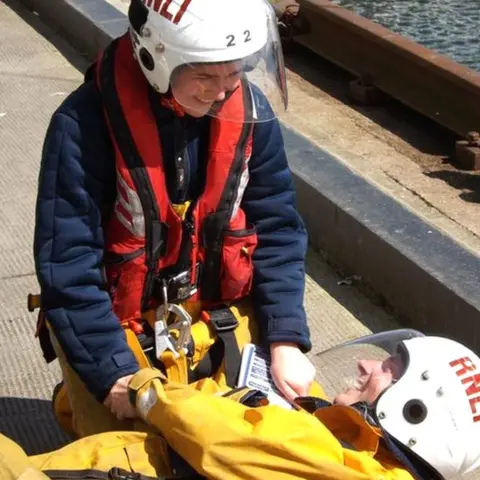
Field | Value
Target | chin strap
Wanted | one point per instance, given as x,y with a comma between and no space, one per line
367,411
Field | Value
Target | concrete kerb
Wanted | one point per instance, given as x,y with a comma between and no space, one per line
428,279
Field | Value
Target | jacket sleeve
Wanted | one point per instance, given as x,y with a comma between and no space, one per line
279,260
208,431
68,251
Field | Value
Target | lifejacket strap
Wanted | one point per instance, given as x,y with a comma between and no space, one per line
212,239
215,224
155,231
158,241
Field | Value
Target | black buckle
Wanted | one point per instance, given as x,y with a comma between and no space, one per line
116,473
223,320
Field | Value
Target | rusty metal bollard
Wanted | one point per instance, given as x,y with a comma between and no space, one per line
364,91
467,152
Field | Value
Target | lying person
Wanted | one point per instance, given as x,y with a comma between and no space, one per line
403,407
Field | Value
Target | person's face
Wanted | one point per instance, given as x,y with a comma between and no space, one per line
374,376
197,87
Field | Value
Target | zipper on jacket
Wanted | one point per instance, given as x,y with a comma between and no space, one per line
182,160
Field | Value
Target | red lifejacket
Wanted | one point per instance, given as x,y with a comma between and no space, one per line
145,237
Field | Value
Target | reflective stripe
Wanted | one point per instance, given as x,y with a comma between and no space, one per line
128,208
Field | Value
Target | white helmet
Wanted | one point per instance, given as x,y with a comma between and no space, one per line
168,34
431,405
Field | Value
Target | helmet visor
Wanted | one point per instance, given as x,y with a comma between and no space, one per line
206,88
362,369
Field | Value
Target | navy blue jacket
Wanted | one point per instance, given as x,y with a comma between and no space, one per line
77,186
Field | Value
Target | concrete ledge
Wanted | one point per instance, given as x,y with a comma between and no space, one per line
429,280
89,25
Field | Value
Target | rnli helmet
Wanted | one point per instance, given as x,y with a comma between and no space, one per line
239,38
423,391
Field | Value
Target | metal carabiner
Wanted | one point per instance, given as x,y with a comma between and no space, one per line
183,325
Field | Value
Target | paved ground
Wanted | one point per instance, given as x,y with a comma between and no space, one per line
37,71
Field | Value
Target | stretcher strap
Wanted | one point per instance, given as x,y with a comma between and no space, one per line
224,323
91,474
43,335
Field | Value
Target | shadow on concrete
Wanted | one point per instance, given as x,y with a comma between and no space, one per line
31,423
73,56
469,183
417,130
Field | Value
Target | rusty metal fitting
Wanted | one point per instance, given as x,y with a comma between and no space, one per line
367,80
363,91
288,23
473,138
33,302
467,152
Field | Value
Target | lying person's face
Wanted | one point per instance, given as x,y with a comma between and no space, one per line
374,376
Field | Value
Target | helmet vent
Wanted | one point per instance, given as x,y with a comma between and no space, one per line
147,59
415,412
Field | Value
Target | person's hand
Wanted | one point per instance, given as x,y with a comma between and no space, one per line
118,401
291,370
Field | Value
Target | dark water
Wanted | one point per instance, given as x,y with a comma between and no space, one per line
450,27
